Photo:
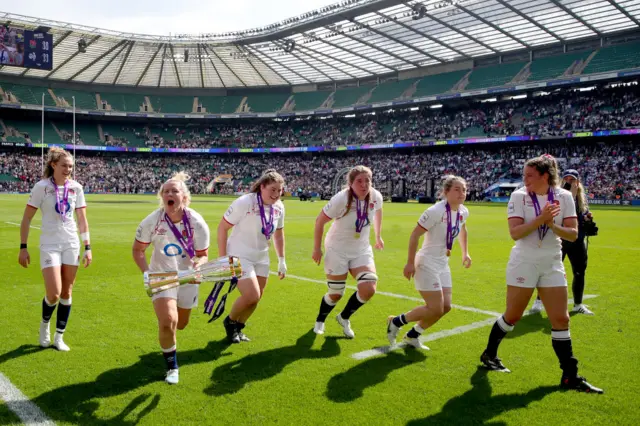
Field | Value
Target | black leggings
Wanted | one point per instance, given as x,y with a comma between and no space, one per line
577,252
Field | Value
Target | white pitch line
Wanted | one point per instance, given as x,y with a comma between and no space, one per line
398,296
439,335
27,411
615,247
17,224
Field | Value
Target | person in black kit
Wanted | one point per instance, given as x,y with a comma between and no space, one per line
577,250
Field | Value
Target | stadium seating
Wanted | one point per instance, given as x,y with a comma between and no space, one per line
84,100
613,58
495,75
554,66
309,101
172,104
347,97
267,102
391,90
438,83
29,94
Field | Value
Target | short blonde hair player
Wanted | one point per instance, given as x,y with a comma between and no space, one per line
180,239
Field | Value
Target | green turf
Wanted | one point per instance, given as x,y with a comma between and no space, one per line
287,375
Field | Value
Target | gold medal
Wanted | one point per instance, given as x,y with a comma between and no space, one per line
448,252
356,235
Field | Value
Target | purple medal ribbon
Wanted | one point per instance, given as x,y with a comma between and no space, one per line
450,229
543,229
267,227
362,212
61,203
188,246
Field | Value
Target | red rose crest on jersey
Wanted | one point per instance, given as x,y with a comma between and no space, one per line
371,205
556,202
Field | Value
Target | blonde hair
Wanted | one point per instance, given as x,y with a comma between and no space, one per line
268,177
448,182
546,164
54,155
180,178
581,198
351,177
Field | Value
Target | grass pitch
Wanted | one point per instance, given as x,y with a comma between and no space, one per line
287,374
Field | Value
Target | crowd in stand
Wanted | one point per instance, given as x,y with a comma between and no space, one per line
608,169
552,115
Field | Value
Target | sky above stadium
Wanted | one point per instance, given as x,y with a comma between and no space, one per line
164,17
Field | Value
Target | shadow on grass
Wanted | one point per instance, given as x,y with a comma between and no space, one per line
231,377
79,403
532,323
477,406
350,385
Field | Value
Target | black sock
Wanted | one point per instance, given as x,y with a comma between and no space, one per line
325,309
400,320
171,358
64,309
47,310
415,332
498,331
353,305
561,342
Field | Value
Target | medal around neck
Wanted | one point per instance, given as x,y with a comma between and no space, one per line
267,226
187,245
221,269
543,229
450,229
61,204
362,215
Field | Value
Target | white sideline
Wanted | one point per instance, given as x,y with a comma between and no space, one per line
439,335
27,411
397,296
17,224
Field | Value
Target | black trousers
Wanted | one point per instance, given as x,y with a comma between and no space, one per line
577,252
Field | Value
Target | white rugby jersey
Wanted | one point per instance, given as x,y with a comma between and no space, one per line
341,234
53,229
168,254
434,221
246,239
521,206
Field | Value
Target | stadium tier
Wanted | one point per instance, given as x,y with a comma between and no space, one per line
480,165
586,62
550,116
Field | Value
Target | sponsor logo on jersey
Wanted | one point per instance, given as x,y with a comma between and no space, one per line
521,280
161,231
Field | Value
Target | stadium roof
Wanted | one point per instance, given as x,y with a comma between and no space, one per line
349,40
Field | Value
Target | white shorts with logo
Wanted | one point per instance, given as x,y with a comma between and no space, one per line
186,295
252,269
339,263
59,254
530,270
432,275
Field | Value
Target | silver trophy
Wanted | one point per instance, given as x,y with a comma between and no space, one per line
220,269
